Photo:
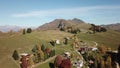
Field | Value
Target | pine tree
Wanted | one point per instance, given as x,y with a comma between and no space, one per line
15,55
29,30
34,48
46,56
52,53
24,31
43,48
66,41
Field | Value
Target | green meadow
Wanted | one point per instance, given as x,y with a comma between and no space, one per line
24,43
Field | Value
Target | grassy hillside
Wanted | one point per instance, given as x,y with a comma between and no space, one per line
24,43
109,39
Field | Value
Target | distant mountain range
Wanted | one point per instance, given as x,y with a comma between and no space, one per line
77,23
115,27
8,28
14,28
54,24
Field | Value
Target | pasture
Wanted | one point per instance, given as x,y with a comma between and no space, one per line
24,43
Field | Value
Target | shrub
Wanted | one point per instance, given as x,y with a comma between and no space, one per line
15,55
43,48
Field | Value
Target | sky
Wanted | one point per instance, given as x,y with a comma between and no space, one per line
33,13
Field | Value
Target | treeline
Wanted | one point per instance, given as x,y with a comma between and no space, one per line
96,28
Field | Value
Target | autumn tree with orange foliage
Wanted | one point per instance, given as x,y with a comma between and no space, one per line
102,49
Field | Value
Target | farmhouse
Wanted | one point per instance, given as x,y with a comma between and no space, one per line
67,54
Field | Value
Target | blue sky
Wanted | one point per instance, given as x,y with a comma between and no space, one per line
29,13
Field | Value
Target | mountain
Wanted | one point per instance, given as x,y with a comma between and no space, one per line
115,27
7,28
54,24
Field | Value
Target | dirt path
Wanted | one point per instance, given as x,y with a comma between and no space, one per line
51,58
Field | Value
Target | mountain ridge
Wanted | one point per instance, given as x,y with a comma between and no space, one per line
54,24
7,28
115,26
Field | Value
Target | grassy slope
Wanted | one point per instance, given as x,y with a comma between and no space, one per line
24,43
110,39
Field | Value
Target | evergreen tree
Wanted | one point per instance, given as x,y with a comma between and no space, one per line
45,56
34,48
15,55
24,31
43,48
66,41
29,30
52,53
